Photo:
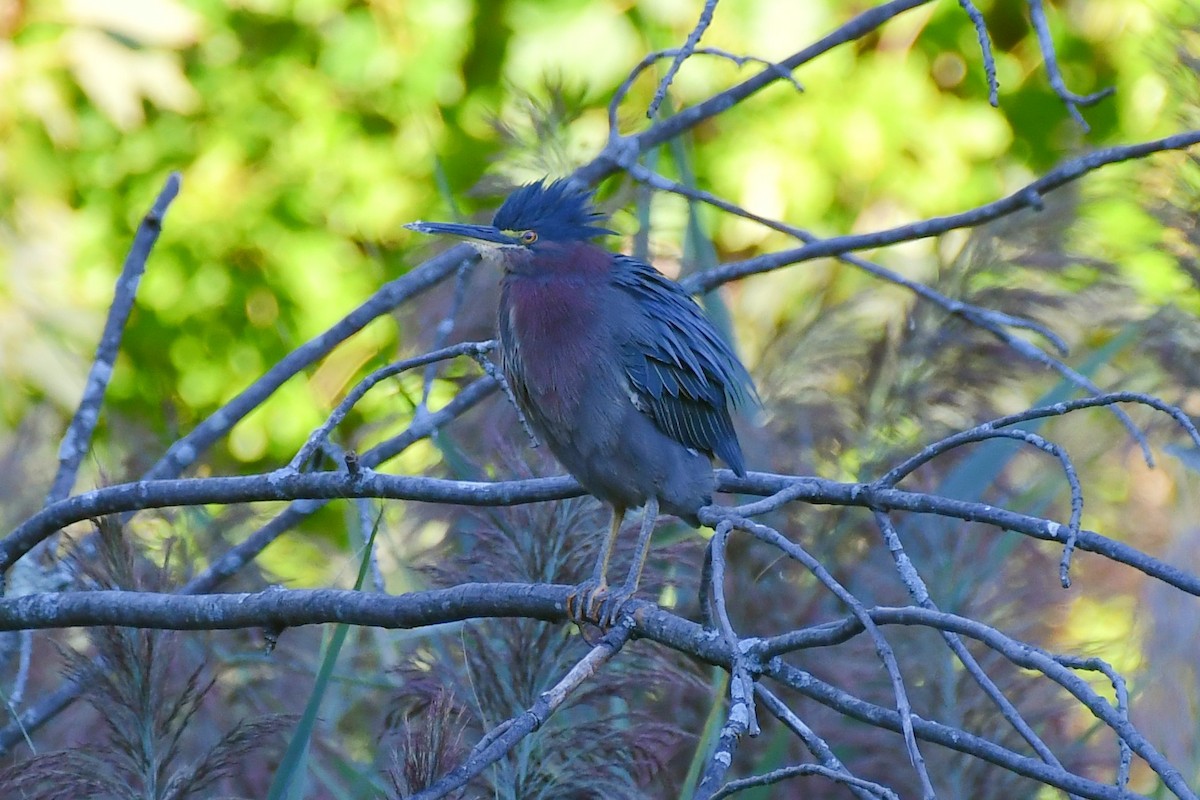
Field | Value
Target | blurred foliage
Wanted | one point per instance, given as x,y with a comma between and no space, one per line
309,131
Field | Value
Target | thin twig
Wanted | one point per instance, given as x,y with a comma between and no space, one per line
801,770
984,433
819,748
317,438
920,594
882,648
78,437
742,718
689,47
445,329
534,717
1121,690
1037,15
985,48
780,72
497,374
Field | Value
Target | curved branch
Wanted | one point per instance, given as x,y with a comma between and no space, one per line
318,437
79,433
819,748
689,47
291,608
1037,16
944,735
1029,656
283,485
184,452
1027,197
984,433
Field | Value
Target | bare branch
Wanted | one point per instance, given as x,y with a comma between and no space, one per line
1026,197
882,648
689,47
445,328
183,453
819,748
985,48
282,485
497,374
1073,101
800,770
292,608
78,437
619,95
742,718
317,438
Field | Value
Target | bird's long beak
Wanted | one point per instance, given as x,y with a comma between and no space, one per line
478,233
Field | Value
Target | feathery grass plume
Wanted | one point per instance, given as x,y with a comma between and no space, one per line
147,692
921,375
426,741
610,739
535,133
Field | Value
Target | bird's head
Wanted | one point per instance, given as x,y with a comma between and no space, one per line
533,217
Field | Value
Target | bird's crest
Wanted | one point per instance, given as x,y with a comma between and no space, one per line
555,210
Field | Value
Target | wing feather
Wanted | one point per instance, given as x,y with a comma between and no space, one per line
682,370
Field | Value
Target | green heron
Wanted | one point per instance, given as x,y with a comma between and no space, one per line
616,367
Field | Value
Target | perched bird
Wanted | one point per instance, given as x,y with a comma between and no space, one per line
616,367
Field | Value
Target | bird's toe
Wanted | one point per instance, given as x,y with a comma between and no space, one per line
585,601
612,606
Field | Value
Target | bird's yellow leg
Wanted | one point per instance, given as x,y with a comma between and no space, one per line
611,605
583,601
600,575
649,517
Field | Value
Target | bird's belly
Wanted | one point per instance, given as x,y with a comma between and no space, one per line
558,356
619,455
627,461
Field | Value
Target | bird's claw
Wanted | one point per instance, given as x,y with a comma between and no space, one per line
585,600
611,607
593,603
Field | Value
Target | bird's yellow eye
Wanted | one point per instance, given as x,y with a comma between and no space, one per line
528,237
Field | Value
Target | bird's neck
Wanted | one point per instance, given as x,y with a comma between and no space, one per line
573,263
553,327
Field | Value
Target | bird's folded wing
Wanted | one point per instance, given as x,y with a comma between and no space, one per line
681,370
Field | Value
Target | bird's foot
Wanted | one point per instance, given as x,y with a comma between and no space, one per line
612,605
585,601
